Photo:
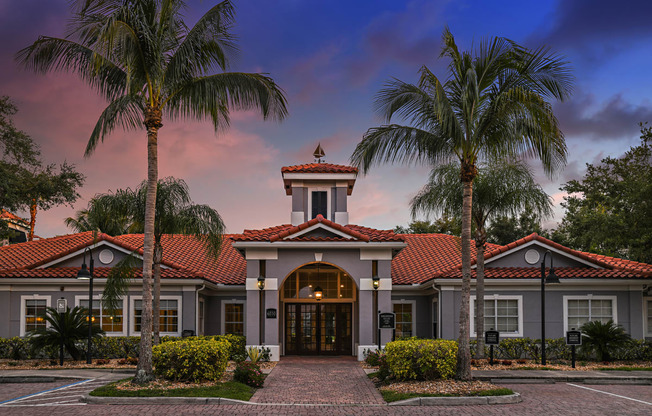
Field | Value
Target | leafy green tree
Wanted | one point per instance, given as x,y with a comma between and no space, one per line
505,229
142,57
64,331
443,225
175,214
609,211
500,188
603,338
493,103
26,182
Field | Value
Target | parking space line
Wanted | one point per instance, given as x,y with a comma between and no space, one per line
6,402
610,394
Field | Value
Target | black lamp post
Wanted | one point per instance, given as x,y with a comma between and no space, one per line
375,282
551,279
85,274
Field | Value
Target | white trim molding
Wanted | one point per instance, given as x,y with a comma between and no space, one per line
310,190
544,246
132,315
23,299
495,297
590,297
125,315
647,329
223,314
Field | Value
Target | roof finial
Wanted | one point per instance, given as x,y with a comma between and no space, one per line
319,153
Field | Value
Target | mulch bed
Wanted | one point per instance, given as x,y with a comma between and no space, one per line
436,387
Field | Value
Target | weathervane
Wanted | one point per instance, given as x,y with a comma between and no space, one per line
319,153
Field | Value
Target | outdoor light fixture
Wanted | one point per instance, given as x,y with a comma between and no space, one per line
261,283
318,293
87,274
550,280
376,282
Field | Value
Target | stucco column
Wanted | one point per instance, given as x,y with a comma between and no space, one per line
385,305
366,317
272,324
253,317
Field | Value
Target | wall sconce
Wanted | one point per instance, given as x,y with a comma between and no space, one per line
261,283
376,282
318,293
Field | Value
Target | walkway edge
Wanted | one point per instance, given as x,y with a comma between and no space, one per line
160,400
458,401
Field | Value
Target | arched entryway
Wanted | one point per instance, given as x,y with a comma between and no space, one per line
318,327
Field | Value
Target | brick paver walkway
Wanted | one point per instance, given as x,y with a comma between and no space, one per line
317,380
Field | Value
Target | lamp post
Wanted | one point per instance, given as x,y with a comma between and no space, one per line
551,279
87,274
375,282
261,320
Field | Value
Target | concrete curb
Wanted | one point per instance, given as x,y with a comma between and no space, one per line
458,401
160,400
563,379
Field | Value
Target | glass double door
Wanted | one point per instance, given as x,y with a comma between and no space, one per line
318,328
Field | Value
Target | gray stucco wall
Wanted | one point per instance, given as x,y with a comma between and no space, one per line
517,259
76,261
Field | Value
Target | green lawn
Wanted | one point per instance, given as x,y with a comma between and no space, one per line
229,390
392,396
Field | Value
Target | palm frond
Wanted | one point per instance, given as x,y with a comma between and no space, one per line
117,282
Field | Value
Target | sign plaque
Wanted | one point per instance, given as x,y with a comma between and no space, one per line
62,305
387,320
573,338
492,337
270,313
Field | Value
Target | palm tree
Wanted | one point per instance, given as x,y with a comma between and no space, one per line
501,188
142,57
96,217
603,338
493,103
64,331
175,214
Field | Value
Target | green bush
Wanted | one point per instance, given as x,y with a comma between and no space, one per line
603,339
238,351
421,359
116,347
249,373
15,348
372,357
191,360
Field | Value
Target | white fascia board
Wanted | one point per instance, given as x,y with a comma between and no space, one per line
97,282
94,246
316,226
547,247
320,176
535,284
261,254
375,254
319,244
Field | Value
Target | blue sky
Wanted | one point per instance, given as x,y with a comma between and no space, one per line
331,58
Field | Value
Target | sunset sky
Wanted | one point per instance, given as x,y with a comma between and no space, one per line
331,58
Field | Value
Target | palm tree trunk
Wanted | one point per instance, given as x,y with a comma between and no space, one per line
464,351
480,239
156,307
153,123
32,220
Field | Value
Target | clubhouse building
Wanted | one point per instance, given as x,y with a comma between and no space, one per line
314,286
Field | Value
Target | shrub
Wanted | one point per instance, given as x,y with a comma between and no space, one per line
372,358
254,354
102,361
603,339
237,352
116,347
421,359
15,348
194,361
249,373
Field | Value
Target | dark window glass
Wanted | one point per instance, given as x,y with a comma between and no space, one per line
319,202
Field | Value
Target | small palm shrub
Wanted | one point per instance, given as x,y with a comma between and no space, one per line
254,354
65,329
249,373
603,339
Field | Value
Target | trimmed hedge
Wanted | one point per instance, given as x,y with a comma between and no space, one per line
237,352
191,360
421,359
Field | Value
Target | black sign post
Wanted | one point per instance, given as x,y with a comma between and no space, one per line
270,313
491,338
386,320
573,338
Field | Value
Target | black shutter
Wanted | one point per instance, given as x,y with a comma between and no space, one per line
319,203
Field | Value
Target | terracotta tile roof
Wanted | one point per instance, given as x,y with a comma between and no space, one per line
282,232
561,272
9,216
319,168
425,255
98,272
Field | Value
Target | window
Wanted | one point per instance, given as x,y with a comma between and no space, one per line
502,313
169,314
200,318
319,203
334,283
579,310
102,317
647,309
233,318
404,318
33,313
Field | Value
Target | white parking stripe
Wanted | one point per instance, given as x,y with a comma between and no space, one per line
610,394
23,401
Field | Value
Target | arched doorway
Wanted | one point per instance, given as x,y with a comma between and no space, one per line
318,327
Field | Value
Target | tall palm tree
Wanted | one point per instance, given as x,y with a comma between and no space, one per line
96,217
142,57
175,214
501,188
493,103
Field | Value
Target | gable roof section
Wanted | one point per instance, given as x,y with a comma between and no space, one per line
319,168
349,232
6,215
